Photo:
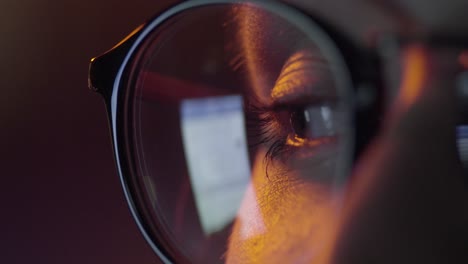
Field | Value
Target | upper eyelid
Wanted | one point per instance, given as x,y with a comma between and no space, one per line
304,73
302,101
304,85
290,68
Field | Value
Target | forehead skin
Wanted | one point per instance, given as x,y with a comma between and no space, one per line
359,18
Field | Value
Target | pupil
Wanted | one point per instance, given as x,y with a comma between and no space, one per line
299,122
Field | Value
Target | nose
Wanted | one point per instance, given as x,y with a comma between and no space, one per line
408,200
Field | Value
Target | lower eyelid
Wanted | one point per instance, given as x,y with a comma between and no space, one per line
306,163
301,142
306,149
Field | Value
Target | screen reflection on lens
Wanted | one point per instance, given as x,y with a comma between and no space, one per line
240,132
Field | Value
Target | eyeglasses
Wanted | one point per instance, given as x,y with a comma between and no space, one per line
211,99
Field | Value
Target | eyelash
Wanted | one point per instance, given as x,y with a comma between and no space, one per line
263,125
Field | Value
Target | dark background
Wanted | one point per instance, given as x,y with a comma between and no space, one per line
60,196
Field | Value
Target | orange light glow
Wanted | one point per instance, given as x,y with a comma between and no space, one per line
304,73
415,71
283,221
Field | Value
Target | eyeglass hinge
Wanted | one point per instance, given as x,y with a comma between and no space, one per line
103,69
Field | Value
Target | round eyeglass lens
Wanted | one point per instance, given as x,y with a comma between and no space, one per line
238,131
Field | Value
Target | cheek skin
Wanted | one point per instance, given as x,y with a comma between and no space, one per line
286,221
408,201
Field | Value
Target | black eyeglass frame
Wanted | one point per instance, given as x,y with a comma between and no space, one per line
109,73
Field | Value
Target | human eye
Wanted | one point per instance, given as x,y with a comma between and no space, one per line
301,123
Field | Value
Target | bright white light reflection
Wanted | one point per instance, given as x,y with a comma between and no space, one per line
250,218
215,146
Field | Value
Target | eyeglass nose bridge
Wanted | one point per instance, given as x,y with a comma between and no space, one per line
103,69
